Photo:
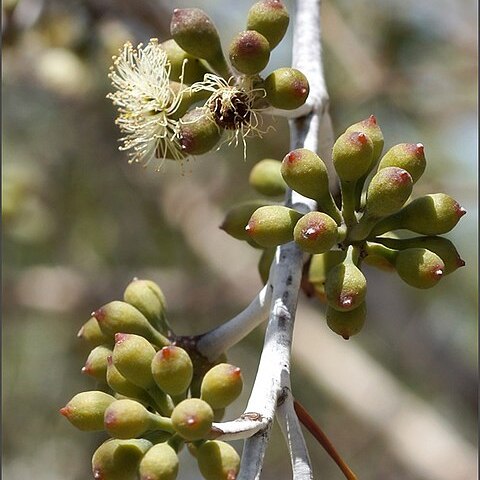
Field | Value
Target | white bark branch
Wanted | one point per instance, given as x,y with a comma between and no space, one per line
292,431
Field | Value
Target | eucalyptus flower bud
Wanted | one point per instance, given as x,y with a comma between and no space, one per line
266,178
272,225
409,156
119,459
195,32
352,156
286,88
198,132
319,267
443,247
129,419
221,385
132,355
388,191
92,333
86,409
147,297
172,370
238,216
180,61
116,316
316,232
428,215
347,323
96,363
419,267
270,18
118,383
370,127
345,287
249,52
305,172
159,463
192,419
218,461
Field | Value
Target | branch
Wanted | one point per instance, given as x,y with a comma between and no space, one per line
221,338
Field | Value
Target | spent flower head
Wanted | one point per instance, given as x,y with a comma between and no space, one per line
146,102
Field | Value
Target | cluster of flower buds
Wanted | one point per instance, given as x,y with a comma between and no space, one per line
153,395
375,192
182,97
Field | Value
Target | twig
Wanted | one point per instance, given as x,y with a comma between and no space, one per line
322,438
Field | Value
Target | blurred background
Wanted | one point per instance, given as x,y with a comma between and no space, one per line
398,401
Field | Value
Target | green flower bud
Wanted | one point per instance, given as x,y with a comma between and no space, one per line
419,267
218,461
91,333
443,247
172,370
119,459
270,18
96,363
129,419
428,215
266,178
408,156
192,419
118,383
388,191
116,316
198,132
159,463
218,414
249,52
379,256
305,172
193,68
133,355
147,297
86,409
272,225
221,385
286,88
370,127
195,32
352,156
316,232
265,263
238,216
345,287
348,323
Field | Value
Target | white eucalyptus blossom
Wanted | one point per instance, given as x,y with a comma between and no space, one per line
146,102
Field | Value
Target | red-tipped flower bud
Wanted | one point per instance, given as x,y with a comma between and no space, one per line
91,333
348,323
316,232
419,267
96,363
249,52
192,419
218,461
370,127
86,409
286,88
221,385
172,370
270,18
159,463
409,156
352,155
119,459
272,225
